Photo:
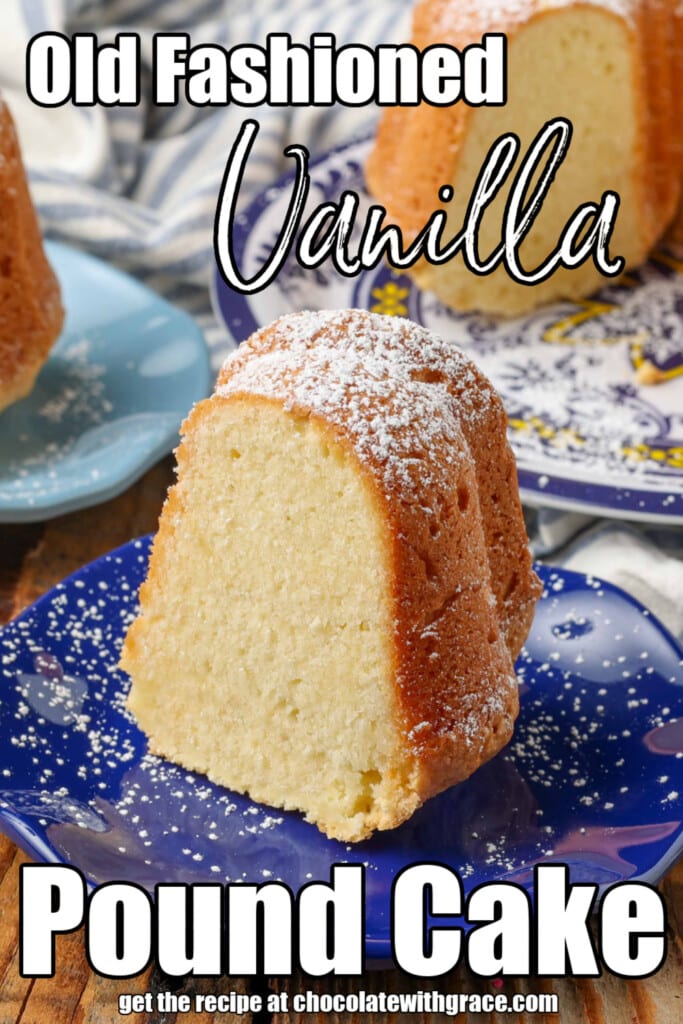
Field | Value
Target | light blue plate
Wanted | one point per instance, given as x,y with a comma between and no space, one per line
110,399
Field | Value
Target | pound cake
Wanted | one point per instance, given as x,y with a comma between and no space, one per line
608,66
31,312
675,230
340,583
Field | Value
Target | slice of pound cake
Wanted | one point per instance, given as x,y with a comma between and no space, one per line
340,582
611,68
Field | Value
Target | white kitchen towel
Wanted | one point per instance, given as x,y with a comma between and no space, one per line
646,561
138,186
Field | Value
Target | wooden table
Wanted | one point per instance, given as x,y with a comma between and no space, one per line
32,559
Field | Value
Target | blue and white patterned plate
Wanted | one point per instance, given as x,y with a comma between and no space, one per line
587,434
592,778
108,402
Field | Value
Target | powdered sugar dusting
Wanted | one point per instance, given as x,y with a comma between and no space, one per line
592,776
397,391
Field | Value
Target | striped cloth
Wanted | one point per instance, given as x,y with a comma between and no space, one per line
138,187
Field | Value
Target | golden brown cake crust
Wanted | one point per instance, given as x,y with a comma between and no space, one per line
406,183
675,233
430,431
31,313
422,434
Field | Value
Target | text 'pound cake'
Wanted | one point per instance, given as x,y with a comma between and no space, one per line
31,312
610,67
340,582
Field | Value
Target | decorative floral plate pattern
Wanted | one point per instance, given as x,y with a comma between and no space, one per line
593,389
592,778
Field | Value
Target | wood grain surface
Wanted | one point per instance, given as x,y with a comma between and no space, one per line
33,559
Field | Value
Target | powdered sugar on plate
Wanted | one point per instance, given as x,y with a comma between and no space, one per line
109,400
593,776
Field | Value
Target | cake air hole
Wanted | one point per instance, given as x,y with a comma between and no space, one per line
463,498
427,376
364,801
286,709
512,585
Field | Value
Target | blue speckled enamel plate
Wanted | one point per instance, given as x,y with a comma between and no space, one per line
587,434
593,777
110,399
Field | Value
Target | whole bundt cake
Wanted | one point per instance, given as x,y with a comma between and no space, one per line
31,312
611,68
341,582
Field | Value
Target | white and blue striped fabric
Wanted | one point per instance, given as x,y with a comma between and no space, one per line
138,187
